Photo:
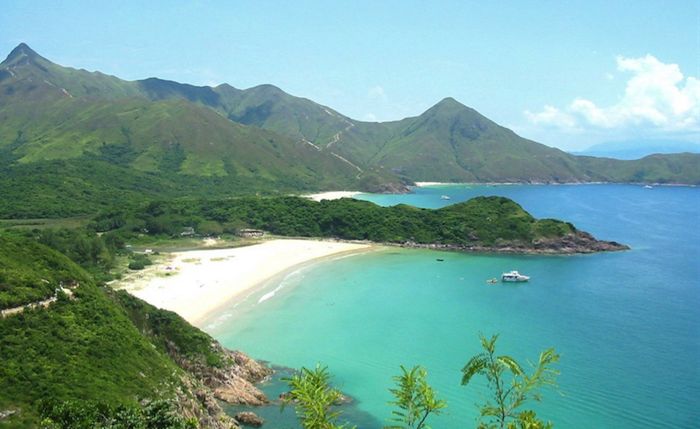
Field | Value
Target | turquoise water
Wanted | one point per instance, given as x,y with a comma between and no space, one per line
627,325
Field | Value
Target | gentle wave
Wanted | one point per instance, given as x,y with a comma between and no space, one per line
285,281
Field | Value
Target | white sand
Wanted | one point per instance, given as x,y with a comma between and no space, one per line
424,184
334,195
202,281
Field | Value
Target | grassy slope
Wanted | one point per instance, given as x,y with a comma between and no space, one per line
51,112
163,137
451,142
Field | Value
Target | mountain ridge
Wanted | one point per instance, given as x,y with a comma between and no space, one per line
52,112
263,139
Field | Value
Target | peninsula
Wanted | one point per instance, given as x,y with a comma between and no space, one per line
482,224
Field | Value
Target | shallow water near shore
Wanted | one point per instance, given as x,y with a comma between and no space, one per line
626,324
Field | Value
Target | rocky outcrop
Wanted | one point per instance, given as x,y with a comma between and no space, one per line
578,242
196,401
249,418
249,368
231,381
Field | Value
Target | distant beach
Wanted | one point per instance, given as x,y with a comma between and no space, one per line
424,184
333,195
196,283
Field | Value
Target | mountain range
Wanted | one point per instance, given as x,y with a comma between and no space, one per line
59,126
636,149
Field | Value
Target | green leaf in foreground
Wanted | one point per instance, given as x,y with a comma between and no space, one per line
313,398
415,399
510,386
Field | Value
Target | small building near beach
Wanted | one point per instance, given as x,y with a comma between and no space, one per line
187,231
250,233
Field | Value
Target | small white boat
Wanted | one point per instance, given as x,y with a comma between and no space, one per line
514,276
648,187
444,197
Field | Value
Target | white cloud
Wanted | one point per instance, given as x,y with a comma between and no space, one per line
657,96
377,93
370,117
550,115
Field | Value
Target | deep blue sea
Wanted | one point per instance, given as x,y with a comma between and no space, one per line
627,324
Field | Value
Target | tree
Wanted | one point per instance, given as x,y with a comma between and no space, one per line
415,398
313,398
507,398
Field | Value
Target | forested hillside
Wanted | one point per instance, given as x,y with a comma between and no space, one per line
108,348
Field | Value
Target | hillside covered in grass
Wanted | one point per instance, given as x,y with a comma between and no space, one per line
62,124
105,347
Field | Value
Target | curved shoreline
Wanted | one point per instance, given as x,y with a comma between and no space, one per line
196,284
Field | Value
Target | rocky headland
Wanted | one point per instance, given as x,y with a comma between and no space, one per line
578,242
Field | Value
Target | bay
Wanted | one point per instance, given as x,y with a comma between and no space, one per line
627,324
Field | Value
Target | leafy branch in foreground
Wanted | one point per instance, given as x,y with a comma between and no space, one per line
313,398
415,398
509,397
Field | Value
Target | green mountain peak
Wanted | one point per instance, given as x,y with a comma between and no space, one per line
20,55
449,101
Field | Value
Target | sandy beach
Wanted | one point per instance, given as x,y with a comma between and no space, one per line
196,283
428,184
333,195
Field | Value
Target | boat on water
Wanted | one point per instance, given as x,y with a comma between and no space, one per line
444,197
514,276
648,187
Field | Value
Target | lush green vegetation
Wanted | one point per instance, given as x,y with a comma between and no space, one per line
415,399
487,221
314,398
503,409
95,344
91,415
168,331
139,262
30,272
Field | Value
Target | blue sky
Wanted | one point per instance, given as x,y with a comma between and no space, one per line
565,73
